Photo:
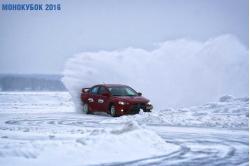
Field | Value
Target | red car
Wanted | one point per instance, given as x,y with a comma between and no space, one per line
114,99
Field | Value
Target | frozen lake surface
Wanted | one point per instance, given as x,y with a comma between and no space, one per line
43,129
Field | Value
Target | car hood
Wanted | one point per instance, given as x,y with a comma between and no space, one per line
133,99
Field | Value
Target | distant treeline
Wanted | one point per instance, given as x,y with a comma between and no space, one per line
31,82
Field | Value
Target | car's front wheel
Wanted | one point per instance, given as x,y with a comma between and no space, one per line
147,110
86,108
113,111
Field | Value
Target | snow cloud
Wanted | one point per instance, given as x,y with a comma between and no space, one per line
177,73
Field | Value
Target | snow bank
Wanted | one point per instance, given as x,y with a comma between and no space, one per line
229,112
177,73
131,142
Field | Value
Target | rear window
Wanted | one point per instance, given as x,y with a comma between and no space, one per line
94,90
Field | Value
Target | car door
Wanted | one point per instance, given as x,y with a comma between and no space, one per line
92,99
103,99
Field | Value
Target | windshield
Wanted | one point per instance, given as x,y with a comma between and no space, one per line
122,91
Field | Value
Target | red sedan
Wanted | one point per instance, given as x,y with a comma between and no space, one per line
114,99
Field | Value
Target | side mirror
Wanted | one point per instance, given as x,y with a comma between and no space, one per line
139,94
106,94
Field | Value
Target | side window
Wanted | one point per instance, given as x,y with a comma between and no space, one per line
102,90
94,90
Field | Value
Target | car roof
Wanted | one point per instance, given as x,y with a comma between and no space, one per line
111,85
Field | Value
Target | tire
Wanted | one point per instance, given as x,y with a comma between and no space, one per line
112,111
147,110
86,108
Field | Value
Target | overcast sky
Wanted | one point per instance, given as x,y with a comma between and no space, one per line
41,42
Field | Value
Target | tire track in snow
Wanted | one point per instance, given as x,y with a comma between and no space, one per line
196,148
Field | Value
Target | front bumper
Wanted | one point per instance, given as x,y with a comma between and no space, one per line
133,108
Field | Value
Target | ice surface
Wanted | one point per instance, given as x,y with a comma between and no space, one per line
228,112
42,129
25,102
48,132
176,73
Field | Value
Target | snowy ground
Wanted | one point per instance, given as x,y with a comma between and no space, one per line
228,112
42,129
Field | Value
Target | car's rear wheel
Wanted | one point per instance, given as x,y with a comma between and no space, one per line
86,108
112,111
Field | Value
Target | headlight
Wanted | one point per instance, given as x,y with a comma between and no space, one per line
149,103
121,102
